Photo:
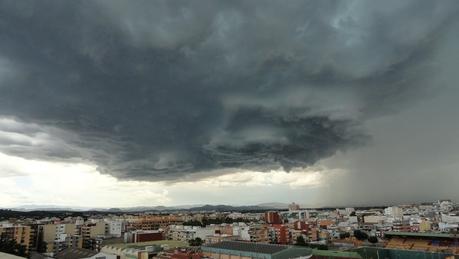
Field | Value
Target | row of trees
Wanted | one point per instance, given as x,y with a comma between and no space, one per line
196,242
361,235
301,242
208,221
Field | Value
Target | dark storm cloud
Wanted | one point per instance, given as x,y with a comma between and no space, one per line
413,155
159,89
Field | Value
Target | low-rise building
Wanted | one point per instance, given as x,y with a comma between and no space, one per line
80,253
143,236
374,219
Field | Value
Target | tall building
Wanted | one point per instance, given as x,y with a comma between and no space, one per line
349,211
293,206
313,234
394,212
300,225
114,228
281,234
35,238
22,235
152,222
93,234
57,237
94,230
273,217
258,233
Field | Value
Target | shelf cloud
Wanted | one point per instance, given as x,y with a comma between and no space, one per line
163,90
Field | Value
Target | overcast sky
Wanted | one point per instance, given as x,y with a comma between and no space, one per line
122,103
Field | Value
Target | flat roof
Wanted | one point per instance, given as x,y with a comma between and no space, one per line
10,256
141,245
422,234
399,253
336,253
247,247
75,253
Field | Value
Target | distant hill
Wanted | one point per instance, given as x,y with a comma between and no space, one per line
227,208
49,208
219,208
274,205
38,214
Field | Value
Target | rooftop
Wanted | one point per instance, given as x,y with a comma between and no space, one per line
422,234
10,256
248,247
75,253
142,245
336,253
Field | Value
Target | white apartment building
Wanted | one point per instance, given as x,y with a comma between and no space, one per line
445,205
374,219
114,228
394,212
241,231
186,233
450,218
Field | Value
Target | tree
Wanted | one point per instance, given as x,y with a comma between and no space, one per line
344,235
322,247
300,241
373,239
193,223
360,235
195,242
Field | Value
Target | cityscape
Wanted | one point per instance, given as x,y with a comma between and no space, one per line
229,129
424,230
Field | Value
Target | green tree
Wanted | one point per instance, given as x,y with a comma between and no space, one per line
300,241
373,239
195,242
344,235
360,235
193,223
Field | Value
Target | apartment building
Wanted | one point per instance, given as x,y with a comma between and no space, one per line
57,237
152,222
186,233
93,234
258,233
